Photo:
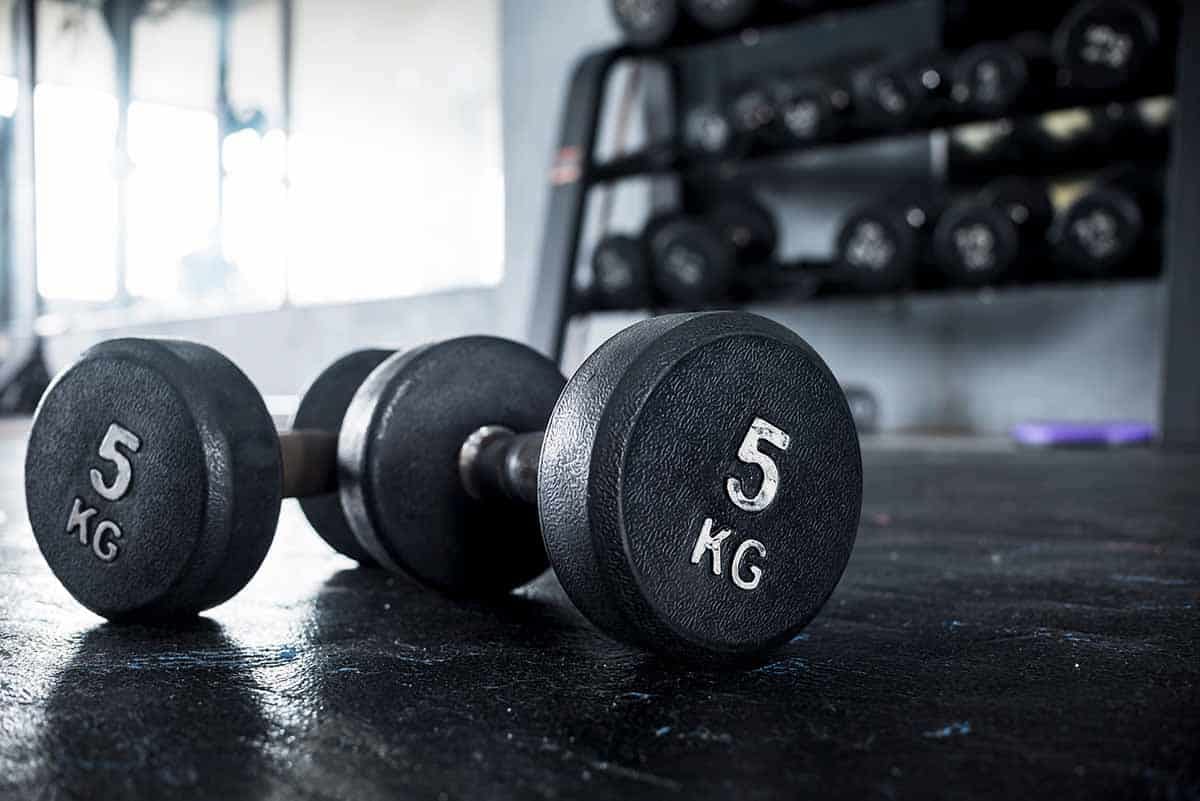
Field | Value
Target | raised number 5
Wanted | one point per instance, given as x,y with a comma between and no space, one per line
749,453
116,435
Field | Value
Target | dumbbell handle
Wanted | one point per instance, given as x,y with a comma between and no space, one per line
309,459
494,462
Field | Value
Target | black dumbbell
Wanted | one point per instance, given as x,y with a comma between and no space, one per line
810,111
975,243
881,243
748,226
897,94
1106,44
698,480
620,276
1099,233
691,263
707,133
649,23
993,78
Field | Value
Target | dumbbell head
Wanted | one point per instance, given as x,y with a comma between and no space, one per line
809,111
878,247
700,484
707,132
400,482
322,408
1105,44
647,23
748,227
1097,234
620,278
975,243
991,77
691,263
152,479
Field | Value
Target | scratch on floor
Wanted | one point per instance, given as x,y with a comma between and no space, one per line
636,775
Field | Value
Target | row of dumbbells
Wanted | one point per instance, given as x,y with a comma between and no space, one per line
1027,72
1012,229
686,260
697,481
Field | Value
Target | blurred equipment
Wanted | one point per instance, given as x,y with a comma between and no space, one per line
620,279
880,245
691,262
1101,230
175,509
1107,44
1048,434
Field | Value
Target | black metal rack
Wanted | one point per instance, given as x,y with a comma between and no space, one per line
576,171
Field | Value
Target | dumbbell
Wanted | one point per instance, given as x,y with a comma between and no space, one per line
897,94
985,237
691,263
620,277
719,16
1106,44
751,113
993,78
881,243
649,23
1099,232
707,133
748,226
698,480
809,111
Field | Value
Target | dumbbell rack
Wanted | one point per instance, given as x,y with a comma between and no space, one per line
575,172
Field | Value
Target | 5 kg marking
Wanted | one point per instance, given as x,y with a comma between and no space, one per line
103,538
708,541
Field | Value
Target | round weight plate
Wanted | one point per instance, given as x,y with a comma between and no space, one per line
878,248
322,408
152,479
1104,44
975,244
706,485
647,23
620,279
748,227
690,263
398,452
1099,232
990,77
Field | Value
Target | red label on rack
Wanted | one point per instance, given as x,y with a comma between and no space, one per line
567,167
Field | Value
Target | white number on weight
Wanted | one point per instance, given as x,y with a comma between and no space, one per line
103,538
760,431
116,435
745,576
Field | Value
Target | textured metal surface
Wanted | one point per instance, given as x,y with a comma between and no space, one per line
1011,625
399,452
322,407
153,478
645,448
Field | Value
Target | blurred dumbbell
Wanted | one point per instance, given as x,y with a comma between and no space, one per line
995,78
649,23
881,243
809,111
154,475
752,114
719,16
1102,232
707,133
988,237
898,94
748,226
1107,44
620,277
691,263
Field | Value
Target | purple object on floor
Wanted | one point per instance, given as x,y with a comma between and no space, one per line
1050,433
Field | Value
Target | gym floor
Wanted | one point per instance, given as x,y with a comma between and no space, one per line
1012,624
